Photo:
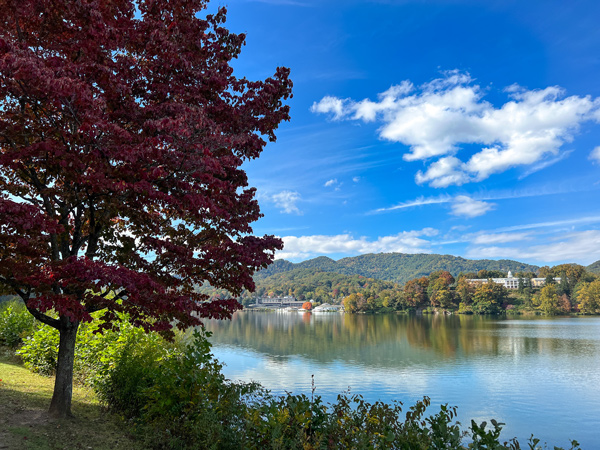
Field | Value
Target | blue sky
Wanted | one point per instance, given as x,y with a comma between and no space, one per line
459,127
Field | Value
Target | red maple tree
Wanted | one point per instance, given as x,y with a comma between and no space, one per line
122,135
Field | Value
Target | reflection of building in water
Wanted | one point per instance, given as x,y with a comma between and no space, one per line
511,282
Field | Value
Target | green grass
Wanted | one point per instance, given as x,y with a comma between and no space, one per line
25,424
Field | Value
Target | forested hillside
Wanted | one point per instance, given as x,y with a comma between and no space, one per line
594,267
569,288
397,267
321,286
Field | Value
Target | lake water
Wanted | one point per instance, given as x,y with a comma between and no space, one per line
538,375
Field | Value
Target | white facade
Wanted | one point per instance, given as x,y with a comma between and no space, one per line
511,282
326,307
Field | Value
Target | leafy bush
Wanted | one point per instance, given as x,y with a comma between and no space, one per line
134,367
290,422
15,323
178,397
95,353
40,351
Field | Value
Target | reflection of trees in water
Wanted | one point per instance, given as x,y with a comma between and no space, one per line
386,339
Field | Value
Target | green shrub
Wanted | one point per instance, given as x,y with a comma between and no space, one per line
95,353
178,397
133,367
40,351
15,323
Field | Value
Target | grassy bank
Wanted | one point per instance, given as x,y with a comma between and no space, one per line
24,421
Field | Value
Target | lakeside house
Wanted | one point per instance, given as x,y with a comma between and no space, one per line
510,282
278,302
326,307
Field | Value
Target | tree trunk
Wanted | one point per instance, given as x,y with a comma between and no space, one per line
60,406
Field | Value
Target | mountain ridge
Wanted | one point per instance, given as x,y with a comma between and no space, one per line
594,267
397,267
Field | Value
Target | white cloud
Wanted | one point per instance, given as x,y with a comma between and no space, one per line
462,205
440,116
368,110
498,238
467,207
444,172
582,246
595,155
417,202
496,195
356,179
286,200
331,105
547,163
554,224
298,247
334,183
460,227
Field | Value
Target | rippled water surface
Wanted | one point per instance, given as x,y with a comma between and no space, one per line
538,375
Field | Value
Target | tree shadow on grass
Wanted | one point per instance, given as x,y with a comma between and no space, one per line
25,424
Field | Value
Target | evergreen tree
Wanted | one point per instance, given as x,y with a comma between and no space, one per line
564,287
521,285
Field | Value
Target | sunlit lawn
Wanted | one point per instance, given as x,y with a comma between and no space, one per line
24,422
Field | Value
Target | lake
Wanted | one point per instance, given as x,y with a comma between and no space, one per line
538,375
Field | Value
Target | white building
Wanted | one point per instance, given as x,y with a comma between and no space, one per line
511,282
326,307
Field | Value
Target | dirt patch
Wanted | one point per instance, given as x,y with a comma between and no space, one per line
14,415
27,417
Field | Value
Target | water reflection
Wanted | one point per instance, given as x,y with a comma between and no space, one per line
397,340
537,375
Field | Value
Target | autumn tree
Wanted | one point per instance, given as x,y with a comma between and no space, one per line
549,300
489,297
588,297
355,303
122,134
483,273
525,275
439,291
415,292
465,290
545,271
564,304
573,271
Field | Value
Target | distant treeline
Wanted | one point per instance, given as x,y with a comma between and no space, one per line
577,291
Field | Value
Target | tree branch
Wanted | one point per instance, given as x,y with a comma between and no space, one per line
54,323
92,309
